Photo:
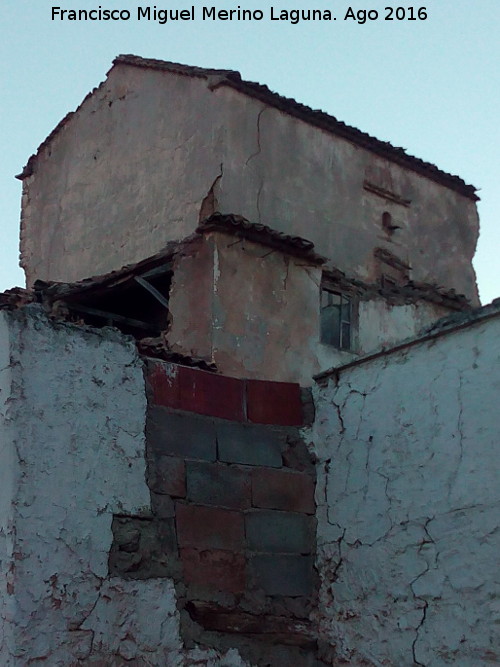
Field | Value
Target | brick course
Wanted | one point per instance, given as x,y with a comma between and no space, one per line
286,575
222,570
167,476
283,490
194,390
250,444
209,528
218,484
211,394
183,435
280,532
274,403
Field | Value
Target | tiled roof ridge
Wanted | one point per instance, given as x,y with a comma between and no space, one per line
289,106
259,233
314,117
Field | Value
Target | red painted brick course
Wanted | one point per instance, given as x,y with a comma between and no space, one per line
283,490
164,383
197,391
222,570
210,394
276,403
194,390
209,527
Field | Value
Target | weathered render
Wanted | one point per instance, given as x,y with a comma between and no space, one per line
408,501
137,165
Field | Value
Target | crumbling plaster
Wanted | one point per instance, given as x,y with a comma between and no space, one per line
73,459
408,504
138,163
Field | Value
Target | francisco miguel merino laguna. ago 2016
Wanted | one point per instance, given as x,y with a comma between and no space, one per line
294,16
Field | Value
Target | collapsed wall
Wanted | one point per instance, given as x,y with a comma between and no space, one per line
408,500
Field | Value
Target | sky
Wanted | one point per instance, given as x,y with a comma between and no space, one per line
431,86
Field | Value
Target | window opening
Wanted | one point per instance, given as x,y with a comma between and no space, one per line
336,317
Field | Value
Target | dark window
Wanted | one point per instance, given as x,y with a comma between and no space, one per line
336,315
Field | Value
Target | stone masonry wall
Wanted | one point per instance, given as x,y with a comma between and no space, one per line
408,503
232,488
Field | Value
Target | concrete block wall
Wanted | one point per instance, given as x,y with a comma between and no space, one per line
232,495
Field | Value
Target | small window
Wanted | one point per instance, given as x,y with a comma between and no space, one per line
336,316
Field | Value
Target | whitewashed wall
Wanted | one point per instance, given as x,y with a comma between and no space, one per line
409,504
72,411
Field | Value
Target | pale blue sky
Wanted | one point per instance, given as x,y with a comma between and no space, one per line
430,86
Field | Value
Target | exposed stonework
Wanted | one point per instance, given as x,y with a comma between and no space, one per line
408,533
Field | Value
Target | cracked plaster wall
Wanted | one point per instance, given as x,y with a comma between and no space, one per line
408,534
72,414
138,164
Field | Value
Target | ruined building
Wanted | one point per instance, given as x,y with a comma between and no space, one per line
247,398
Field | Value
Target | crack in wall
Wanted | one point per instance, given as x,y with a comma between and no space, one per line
252,157
417,633
454,474
286,260
259,148
209,205
259,215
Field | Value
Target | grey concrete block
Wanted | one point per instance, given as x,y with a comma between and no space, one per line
280,532
246,443
178,434
218,484
287,575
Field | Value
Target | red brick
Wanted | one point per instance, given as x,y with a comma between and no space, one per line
194,390
167,475
274,403
164,383
222,570
209,527
283,490
211,394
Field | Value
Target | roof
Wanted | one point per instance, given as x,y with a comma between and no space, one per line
320,119
101,283
14,298
237,225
